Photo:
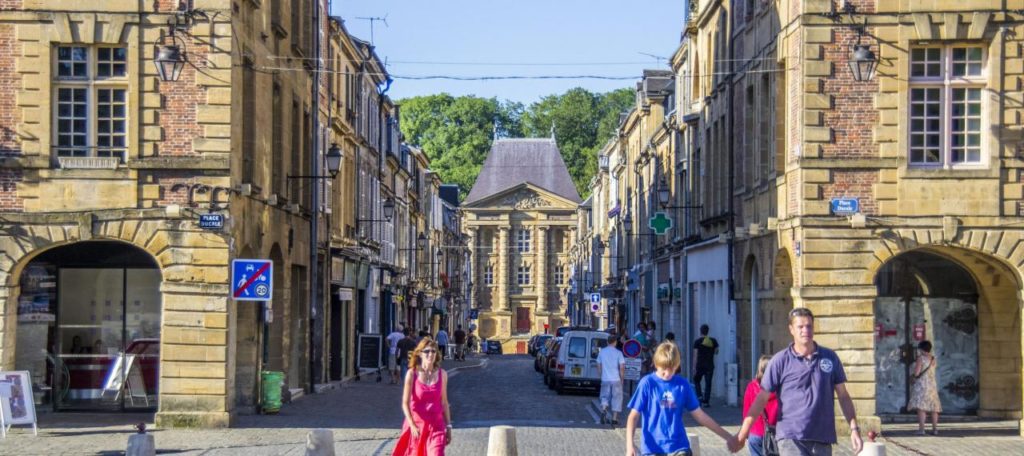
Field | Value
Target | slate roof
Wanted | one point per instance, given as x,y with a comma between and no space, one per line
512,162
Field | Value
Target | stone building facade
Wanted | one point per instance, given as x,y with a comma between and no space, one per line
888,204
521,220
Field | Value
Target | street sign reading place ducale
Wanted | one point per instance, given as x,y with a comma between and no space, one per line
211,221
845,206
252,280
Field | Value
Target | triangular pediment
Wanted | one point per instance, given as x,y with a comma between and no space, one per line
523,197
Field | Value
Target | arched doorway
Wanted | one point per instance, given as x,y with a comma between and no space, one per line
965,304
89,320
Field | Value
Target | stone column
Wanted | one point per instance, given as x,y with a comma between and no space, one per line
502,295
475,276
8,324
542,269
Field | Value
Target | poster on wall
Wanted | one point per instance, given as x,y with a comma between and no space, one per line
16,405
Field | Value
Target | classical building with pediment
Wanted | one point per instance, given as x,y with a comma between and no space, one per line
520,217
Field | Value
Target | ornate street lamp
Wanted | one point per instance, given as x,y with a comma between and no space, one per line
389,208
334,156
169,62
663,192
627,223
862,62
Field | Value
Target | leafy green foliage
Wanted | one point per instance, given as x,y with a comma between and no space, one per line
456,132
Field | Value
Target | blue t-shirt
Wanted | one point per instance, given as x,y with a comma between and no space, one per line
661,403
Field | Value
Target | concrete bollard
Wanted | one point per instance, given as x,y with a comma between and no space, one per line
502,441
694,443
141,445
873,449
320,442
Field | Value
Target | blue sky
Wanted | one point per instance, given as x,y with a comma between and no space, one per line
480,37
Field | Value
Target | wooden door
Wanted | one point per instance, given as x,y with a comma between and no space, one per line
522,320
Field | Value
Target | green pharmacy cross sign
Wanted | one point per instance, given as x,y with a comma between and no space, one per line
660,223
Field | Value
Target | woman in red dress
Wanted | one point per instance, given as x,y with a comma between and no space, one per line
427,428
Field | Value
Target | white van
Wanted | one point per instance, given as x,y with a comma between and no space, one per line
576,365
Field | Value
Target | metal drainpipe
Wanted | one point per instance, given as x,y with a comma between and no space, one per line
731,204
315,331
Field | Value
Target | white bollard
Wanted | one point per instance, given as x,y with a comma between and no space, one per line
320,442
502,441
141,445
873,449
694,443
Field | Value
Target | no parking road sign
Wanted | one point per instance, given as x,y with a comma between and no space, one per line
631,349
252,280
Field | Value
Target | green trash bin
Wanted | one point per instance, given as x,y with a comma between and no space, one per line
272,382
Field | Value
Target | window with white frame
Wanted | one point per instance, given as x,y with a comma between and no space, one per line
523,275
90,101
489,275
946,84
559,274
523,240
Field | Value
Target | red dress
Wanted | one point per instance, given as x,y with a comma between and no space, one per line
771,408
428,413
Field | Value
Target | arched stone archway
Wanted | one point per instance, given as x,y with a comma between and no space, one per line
89,326
967,303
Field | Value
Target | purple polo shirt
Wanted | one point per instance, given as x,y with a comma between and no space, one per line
806,391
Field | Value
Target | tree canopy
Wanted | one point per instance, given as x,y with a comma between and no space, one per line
456,132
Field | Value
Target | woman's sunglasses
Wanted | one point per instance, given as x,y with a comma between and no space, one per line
428,351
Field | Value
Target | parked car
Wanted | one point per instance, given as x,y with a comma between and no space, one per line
575,364
536,342
541,354
492,347
547,366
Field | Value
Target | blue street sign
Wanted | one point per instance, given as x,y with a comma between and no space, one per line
845,206
211,221
595,298
473,314
252,280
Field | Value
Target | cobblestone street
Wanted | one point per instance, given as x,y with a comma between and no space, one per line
365,417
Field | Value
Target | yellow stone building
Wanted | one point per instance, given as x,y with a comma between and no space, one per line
889,203
521,220
106,168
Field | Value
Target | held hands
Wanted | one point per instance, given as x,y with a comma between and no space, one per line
734,444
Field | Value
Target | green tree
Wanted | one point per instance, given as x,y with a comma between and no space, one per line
456,132
582,122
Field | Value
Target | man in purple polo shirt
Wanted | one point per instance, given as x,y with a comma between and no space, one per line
804,377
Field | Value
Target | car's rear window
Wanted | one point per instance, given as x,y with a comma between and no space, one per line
578,347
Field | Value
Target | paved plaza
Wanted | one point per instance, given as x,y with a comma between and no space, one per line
365,418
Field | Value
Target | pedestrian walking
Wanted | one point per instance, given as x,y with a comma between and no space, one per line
393,339
660,400
442,342
612,366
924,396
704,350
645,347
807,378
405,348
460,343
427,427
764,425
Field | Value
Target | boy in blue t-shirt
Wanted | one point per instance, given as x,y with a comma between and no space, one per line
661,398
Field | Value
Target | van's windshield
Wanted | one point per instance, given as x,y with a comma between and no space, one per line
577,347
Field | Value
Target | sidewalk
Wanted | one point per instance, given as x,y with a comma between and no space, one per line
364,416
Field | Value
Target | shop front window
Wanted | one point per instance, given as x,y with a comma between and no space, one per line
89,334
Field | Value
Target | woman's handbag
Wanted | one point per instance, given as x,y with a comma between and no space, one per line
769,445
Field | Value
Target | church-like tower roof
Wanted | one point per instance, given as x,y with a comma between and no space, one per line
512,162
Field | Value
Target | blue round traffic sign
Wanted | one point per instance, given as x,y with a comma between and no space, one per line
631,349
